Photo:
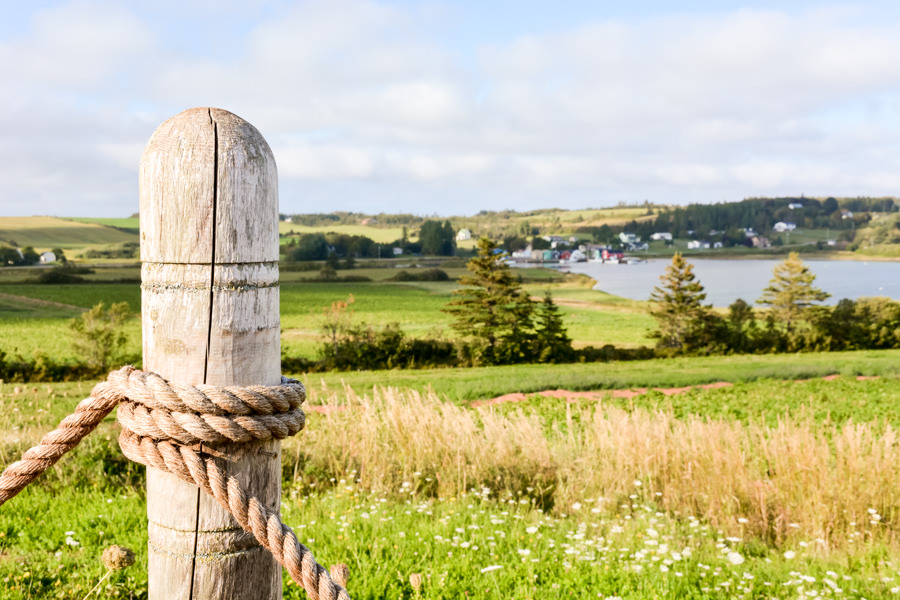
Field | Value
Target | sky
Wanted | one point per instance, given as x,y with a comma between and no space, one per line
450,108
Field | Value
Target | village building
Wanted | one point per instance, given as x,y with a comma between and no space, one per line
782,226
610,255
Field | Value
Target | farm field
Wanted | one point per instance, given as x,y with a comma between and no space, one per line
132,223
34,316
461,385
45,233
382,235
781,484
531,500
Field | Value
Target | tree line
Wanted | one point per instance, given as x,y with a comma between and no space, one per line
12,256
792,319
498,323
435,238
726,221
352,218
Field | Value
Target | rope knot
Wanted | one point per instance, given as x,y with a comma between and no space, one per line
162,424
188,415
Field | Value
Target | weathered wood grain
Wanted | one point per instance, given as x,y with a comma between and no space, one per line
209,248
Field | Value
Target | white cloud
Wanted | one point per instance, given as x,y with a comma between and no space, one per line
75,47
670,108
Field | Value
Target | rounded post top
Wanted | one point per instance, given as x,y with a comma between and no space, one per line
208,191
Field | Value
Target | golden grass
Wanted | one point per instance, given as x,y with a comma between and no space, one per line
797,480
49,232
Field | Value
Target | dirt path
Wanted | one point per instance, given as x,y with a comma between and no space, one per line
571,396
28,301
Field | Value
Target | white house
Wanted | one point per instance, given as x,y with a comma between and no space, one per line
795,205
629,238
48,257
662,235
397,251
782,226
697,245
463,235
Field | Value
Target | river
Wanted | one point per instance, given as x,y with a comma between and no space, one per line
727,280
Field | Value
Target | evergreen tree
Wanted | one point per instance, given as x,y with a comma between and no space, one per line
790,292
741,323
312,246
678,306
493,309
553,343
437,239
29,256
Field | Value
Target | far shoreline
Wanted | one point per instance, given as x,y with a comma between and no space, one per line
813,256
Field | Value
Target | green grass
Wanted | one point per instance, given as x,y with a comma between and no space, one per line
417,310
480,544
460,547
81,295
21,307
766,401
34,318
376,274
885,251
459,385
592,317
130,223
104,270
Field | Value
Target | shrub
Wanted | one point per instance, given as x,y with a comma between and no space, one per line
423,275
97,334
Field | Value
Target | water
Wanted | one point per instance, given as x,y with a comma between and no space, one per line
727,280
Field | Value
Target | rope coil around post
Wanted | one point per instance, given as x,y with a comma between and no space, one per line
163,424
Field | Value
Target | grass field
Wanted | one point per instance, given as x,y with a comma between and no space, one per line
382,235
782,485
33,316
45,233
653,498
459,385
130,223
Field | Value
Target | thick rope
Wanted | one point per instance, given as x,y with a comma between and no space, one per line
162,420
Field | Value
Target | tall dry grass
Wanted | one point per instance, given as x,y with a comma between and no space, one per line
834,484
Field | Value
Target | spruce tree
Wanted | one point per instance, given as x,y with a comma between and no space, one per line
493,309
678,306
552,341
790,292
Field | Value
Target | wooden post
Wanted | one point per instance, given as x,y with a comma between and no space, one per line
210,314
